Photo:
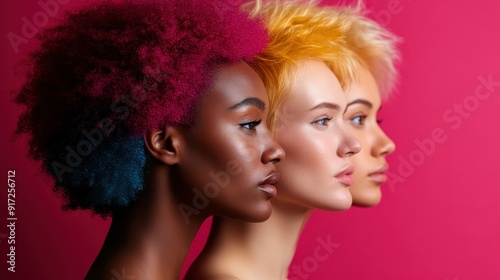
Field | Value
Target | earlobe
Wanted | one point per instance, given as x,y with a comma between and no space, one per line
164,145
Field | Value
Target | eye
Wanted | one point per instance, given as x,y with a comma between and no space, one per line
250,125
359,120
323,121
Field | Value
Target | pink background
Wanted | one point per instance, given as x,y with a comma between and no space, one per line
440,220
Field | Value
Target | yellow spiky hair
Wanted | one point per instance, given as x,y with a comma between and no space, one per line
342,37
375,46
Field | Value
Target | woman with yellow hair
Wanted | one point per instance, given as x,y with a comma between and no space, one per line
376,49
304,68
308,63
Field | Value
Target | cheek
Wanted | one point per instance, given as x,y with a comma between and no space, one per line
307,172
239,157
207,156
306,156
219,146
297,148
301,142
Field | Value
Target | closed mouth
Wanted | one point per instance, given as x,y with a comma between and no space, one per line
268,185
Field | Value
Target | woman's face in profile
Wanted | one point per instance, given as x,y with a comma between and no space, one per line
231,154
317,170
363,104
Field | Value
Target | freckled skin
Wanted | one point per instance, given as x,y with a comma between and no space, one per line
376,145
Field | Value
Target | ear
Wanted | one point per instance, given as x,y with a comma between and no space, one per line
165,145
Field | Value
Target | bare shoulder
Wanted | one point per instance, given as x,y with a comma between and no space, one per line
213,277
210,271
217,267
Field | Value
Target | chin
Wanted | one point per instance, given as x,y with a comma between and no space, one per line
340,203
366,197
259,215
342,207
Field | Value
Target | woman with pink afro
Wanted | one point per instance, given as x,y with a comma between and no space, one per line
147,112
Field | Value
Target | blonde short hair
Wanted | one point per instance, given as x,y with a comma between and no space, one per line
341,37
375,46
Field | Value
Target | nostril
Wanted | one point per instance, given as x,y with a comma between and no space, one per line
387,149
280,156
356,148
350,154
273,154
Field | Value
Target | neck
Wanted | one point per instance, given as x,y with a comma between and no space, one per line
265,250
150,239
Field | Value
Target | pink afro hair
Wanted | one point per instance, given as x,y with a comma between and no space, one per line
124,68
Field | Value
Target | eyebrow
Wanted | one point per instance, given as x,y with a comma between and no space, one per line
251,101
361,101
326,105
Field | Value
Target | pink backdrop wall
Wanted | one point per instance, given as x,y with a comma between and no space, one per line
439,218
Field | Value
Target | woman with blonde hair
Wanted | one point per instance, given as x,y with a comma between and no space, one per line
376,50
305,68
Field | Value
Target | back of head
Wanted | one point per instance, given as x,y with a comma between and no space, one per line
108,73
374,45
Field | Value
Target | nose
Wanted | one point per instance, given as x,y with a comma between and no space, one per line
349,145
273,152
383,144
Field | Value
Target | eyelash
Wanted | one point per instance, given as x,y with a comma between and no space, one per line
362,121
250,125
323,119
361,118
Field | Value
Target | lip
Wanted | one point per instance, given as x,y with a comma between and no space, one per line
268,185
346,175
379,176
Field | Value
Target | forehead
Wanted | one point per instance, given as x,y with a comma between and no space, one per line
314,83
232,83
364,87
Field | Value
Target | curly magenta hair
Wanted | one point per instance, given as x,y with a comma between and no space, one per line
108,73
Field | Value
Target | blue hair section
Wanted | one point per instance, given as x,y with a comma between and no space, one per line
107,179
